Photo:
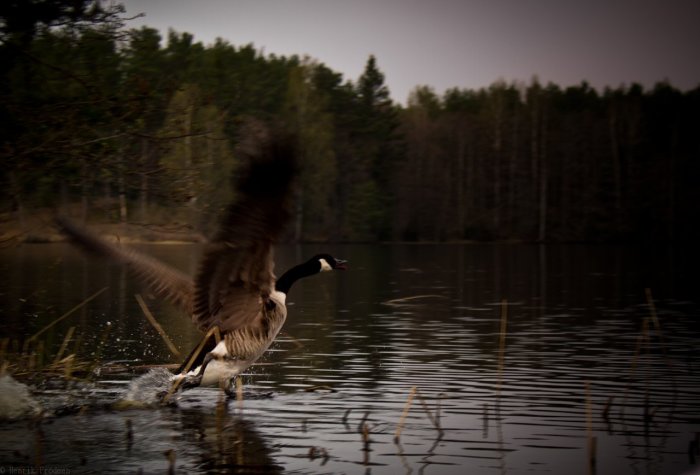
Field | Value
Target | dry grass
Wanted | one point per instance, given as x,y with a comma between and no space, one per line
31,358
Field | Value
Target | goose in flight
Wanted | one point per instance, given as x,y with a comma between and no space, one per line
235,290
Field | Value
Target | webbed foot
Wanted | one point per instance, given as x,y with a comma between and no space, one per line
191,381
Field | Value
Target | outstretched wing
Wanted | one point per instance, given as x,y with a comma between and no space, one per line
236,275
165,281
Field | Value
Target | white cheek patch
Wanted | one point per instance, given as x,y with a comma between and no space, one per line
325,266
278,297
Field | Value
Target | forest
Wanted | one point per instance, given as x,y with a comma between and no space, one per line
122,125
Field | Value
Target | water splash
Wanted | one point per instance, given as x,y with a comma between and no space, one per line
148,389
16,402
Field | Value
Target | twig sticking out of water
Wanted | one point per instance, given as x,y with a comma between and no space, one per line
68,365
67,314
154,323
364,431
361,425
61,350
644,341
434,419
589,430
345,417
406,408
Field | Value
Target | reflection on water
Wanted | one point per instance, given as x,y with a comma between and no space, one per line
329,396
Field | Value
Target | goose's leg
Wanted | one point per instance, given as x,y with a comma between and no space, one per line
195,380
230,387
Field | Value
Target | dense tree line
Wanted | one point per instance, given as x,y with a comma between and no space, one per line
129,126
545,163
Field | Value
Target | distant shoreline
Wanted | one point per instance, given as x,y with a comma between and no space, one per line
43,232
39,229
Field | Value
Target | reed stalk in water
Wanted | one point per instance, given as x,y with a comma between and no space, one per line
154,323
406,408
365,441
62,349
67,314
434,419
345,417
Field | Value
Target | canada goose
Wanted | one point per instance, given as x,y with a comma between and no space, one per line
235,290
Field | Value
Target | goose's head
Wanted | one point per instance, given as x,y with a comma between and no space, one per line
318,263
326,262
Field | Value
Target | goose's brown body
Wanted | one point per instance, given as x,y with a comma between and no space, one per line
235,287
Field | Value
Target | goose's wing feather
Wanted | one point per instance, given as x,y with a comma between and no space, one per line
165,281
236,275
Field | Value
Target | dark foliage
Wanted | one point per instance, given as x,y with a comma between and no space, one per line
131,129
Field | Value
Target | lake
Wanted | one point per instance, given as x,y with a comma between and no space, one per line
588,376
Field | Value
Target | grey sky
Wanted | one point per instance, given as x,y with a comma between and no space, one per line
467,43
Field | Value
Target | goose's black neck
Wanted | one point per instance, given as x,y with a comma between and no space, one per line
284,283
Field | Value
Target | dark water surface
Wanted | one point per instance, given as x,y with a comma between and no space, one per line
329,396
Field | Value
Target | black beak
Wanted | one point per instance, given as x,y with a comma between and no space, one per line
341,264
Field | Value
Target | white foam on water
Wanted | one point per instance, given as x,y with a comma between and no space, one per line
16,402
149,388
